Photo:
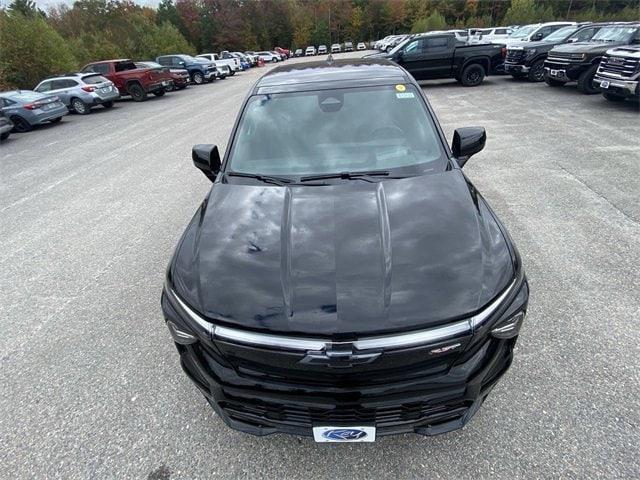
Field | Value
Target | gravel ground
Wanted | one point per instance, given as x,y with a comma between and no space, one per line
91,209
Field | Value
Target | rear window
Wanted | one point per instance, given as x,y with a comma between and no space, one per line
93,79
124,66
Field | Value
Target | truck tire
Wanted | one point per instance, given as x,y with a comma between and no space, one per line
197,78
137,92
612,97
536,72
80,107
585,81
20,125
472,75
553,82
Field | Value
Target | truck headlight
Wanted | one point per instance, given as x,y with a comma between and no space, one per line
530,52
510,327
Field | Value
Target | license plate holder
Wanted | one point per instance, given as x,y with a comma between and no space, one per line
344,434
604,84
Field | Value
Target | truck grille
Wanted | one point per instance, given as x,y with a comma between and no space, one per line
559,56
381,416
515,56
619,66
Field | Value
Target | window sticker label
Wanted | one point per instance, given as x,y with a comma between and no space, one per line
405,95
400,88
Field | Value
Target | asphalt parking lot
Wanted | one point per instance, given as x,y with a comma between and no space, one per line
91,209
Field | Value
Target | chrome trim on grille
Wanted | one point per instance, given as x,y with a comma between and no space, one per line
403,340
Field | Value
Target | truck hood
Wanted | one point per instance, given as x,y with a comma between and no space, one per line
586,47
541,45
345,259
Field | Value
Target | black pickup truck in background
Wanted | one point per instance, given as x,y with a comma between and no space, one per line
526,59
441,55
578,62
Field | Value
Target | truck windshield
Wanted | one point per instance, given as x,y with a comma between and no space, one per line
523,31
614,34
561,34
332,131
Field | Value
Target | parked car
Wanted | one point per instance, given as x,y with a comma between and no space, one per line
5,125
298,52
361,46
578,62
199,72
80,91
381,44
232,64
267,57
131,80
336,48
440,55
252,58
344,287
526,60
533,33
618,75
394,42
283,51
322,49
310,51
27,109
489,35
244,61
180,76
348,46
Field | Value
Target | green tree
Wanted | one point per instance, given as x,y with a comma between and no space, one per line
435,21
522,12
30,49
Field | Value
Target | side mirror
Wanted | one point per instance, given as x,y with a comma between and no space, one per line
467,141
536,37
182,64
206,158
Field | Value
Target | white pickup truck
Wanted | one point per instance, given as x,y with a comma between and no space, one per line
232,63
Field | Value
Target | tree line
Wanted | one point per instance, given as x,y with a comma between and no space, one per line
36,43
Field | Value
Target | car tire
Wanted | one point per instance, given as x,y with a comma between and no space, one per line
472,75
536,72
612,97
233,72
585,81
108,104
197,78
4,136
160,93
55,120
80,107
20,125
137,92
553,82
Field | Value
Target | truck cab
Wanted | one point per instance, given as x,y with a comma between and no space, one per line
199,72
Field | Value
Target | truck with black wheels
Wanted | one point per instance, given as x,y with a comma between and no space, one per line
578,62
442,55
131,80
618,75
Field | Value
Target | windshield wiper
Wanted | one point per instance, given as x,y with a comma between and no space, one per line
262,178
348,176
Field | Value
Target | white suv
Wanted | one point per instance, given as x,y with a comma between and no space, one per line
310,51
534,32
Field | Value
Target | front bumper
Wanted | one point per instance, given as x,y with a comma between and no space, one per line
515,68
408,393
616,86
565,71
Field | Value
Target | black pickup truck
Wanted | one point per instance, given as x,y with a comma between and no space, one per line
441,55
526,59
579,61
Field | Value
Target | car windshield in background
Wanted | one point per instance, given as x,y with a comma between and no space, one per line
93,79
346,130
523,32
561,34
614,34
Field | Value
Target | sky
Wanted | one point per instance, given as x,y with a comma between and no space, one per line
45,4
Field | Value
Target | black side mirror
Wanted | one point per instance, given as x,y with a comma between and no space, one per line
467,141
206,158
536,37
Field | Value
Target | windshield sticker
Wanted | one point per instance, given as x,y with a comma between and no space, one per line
405,95
400,88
